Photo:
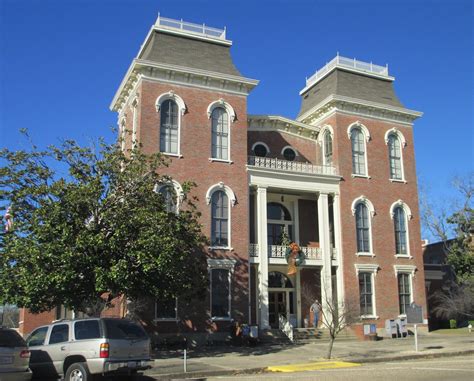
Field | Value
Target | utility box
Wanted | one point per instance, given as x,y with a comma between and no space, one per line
391,328
402,327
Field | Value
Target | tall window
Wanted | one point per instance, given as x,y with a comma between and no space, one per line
220,293
169,127
169,198
395,157
365,293
220,134
362,228
279,222
327,148
404,292
399,222
358,152
220,219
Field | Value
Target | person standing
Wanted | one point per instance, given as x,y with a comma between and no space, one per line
315,307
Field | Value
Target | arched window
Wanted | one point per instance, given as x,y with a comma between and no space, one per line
278,280
358,152
220,219
260,149
399,222
395,157
279,224
327,148
220,134
362,228
169,127
169,198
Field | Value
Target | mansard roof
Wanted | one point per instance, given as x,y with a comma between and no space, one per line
350,84
168,48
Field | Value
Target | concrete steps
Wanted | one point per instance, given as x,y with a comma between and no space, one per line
308,335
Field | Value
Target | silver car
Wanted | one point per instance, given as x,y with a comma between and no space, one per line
79,349
14,356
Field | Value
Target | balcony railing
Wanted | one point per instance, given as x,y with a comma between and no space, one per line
277,251
350,63
184,26
291,166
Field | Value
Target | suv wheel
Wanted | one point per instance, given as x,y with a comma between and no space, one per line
77,372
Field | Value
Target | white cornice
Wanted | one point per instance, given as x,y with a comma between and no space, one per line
183,76
358,107
282,124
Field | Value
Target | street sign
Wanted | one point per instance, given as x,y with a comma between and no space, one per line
414,314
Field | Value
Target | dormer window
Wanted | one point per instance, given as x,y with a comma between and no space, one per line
289,153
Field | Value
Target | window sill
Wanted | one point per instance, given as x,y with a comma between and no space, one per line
365,255
157,320
178,155
354,175
398,181
211,159
220,248
403,256
369,317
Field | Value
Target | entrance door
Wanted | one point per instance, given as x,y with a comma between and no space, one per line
277,306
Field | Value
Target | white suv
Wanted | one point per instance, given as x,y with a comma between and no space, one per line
80,349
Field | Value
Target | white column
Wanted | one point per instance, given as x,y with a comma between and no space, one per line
263,257
338,244
325,245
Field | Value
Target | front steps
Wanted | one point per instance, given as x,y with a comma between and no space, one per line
303,336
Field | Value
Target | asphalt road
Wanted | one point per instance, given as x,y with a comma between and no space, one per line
439,369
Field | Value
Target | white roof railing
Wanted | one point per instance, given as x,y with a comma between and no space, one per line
351,64
187,27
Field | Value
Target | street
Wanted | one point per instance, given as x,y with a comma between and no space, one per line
452,368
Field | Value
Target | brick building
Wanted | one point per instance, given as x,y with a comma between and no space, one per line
339,180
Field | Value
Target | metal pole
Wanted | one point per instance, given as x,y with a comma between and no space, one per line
185,358
416,339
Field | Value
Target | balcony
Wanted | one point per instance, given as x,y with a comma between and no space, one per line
291,166
278,252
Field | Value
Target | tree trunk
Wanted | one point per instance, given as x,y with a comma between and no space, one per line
331,343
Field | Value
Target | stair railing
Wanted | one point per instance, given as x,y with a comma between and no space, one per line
286,327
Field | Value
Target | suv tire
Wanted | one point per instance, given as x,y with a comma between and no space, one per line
78,372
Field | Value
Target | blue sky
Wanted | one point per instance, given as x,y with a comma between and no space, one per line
61,62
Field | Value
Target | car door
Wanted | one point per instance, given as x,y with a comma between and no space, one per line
58,345
40,362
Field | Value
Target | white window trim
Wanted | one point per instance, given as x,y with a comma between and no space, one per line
157,319
408,217
405,269
263,144
366,133
290,147
326,129
364,200
221,264
403,143
372,269
134,121
122,129
232,199
231,118
178,190
181,111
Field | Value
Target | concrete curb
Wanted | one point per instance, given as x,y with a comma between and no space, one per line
202,375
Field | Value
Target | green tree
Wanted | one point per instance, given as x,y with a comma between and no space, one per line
88,226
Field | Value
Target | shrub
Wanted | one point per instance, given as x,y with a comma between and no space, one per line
452,323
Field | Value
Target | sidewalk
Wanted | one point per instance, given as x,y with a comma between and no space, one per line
206,362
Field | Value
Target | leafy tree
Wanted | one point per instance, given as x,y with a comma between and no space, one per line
88,226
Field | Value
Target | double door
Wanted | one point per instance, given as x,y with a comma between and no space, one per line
280,303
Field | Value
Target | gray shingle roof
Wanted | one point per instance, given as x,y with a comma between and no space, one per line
359,86
188,52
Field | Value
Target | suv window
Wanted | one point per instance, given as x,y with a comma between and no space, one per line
123,329
59,334
87,329
37,337
10,339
